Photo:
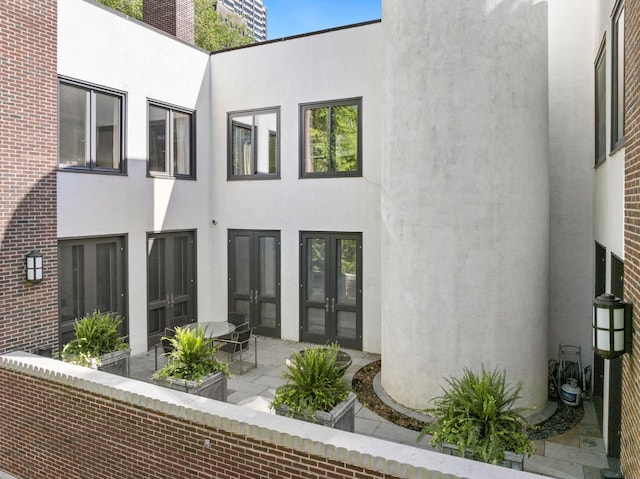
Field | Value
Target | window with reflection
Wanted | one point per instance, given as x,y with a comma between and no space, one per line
90,128
253,144
600,107
171,141
330,138
617,78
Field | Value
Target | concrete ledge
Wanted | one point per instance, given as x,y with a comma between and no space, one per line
362,451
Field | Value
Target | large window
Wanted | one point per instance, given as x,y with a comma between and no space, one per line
91,276
253,144
600,107
171,142
90,128
330,138
617,78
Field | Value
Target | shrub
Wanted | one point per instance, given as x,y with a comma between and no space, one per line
476,414
314,382
96,334
192,356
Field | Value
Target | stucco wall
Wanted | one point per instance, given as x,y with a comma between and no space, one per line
465,200
101,47
342,64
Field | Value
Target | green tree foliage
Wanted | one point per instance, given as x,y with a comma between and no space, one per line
211,31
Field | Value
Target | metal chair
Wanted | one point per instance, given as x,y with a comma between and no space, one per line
164,343
238,344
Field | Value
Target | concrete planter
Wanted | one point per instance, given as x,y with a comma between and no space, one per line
342,417
116,362
213,386
511,460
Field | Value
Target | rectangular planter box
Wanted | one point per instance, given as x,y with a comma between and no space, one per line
116,362
511,460
342,417
213,386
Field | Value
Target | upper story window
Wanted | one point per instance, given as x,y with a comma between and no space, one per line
600,106
617,77
330,138
171,141
253,144
90,128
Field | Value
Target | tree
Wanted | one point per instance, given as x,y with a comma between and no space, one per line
212,32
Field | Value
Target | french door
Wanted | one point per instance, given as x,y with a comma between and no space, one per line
254,278
331,288
171,282
91,276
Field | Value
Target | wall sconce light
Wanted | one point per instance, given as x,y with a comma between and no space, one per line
611,326
34,266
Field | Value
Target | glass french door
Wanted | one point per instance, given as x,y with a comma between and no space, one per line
171,282
254,278
331,288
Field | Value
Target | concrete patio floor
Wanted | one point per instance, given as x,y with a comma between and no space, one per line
576,454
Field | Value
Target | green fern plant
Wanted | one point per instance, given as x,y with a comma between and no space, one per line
314,383
96,334
192,356
476,414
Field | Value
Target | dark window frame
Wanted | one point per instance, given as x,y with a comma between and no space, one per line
617,70
169,170
231,124
600,106
93,89
355,101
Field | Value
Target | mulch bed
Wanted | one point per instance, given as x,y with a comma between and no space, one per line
562,420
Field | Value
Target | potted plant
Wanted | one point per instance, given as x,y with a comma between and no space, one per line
476,418
315,390
98,344
191,365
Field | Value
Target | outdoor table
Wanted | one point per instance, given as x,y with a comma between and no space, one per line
213,329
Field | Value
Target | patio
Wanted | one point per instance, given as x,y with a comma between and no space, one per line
576,454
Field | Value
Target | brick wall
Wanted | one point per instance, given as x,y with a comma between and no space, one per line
630,440
28,161
175,17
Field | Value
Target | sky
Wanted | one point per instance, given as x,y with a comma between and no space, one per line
292,17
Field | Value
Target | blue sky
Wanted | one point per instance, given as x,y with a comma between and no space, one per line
292,17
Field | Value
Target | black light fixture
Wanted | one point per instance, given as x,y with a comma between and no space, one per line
34,266
611,326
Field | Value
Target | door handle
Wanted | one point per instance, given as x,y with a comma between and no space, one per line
326,304
333,305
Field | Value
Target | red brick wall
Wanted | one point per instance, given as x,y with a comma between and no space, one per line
90,436
630,440
175,17
28,162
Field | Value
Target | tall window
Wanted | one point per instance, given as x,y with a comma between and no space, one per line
617,78
330,138
90,128
600,104
171,142
253,144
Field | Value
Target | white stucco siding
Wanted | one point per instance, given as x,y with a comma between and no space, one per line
465,195
338,65
108,50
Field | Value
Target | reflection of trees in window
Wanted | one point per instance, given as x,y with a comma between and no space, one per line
330,140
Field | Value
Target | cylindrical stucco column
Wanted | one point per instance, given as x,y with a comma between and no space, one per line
465,195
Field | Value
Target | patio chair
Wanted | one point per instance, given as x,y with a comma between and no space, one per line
164,343
238,344
237,319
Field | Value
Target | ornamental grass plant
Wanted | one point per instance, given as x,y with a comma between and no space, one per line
192,356
314,383
96,334
476,415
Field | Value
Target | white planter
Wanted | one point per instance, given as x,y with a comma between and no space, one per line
213,386
511,460
116,362
342,417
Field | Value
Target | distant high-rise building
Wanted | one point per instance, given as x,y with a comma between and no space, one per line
253,12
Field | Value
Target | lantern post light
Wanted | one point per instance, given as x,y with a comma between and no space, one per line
33,262
611,326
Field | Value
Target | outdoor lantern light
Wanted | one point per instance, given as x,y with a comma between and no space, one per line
34,266
611,335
